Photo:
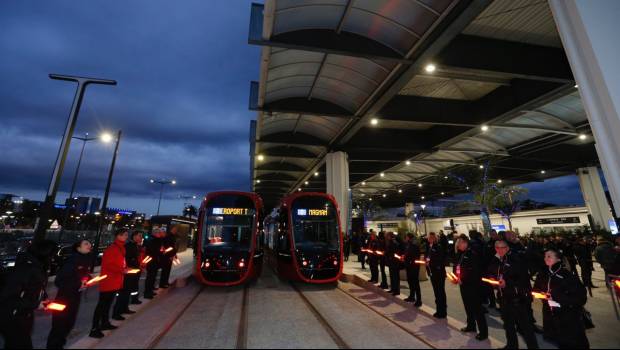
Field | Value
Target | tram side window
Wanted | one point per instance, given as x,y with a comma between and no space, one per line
283,240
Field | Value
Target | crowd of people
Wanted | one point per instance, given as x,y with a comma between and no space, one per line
122,265
503,271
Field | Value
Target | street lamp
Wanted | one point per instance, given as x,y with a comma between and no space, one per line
161,190
106,195
59,166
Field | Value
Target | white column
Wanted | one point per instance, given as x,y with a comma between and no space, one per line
337,165
594,196
589,31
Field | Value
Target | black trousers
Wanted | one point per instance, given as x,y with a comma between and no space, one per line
439,289
122,302
413,279
395,279
63,322
517,313
571,331
473,308
166,266
374,269
102,311
384,282
362,259
151,275
586,276
17,331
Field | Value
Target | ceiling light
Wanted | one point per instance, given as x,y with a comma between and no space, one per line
306,183
423,197
370,199
261,157
419,185
499,181
485,128
363,194
382,174
374,121
443,193
583,136
542,172
257,181
400,191
445,177
481,166
384,195
430,68
408,162
316,174
363,183
299,190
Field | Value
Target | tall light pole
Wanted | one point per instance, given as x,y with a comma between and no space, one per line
104,205
162,183
50,198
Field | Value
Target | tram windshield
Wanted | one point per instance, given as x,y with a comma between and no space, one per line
229,220
315,224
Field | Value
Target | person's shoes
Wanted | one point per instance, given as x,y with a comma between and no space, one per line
128,312
593,287
409,300
136,302
372,281
149,296
363,268
395,293
96,333
164,286
384,286
118,318
468,330
481,337
418,304
439,315
108,327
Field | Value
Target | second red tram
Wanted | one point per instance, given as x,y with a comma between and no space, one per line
228,244
303,238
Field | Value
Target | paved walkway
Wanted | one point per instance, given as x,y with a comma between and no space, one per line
606,334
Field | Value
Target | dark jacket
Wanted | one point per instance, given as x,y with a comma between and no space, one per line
468,268
170,241
412,253
132,255
564,287
392,248
70,276
514,271
437,260
153,249
24,288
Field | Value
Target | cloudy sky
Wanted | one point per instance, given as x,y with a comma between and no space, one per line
183,70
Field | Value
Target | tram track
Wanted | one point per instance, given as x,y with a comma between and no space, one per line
242,331
341,343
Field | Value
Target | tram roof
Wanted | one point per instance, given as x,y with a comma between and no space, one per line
329,67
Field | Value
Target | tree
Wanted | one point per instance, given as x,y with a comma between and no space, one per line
190,211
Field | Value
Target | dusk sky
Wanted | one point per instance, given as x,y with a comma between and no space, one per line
183,70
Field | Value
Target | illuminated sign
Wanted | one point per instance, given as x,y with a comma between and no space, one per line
312,212
232,211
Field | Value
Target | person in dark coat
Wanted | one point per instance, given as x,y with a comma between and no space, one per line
584,258
23,293
131,281
373,259
436,267
347,247
563,308
363,243
469,274
380,251
154,251
412,253
514,291
169,246
393,256
488,293
114,267
71,281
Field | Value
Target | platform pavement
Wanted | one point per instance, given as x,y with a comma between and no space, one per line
605,335
43,320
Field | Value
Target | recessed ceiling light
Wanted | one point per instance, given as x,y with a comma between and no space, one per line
257,181
363,183
316,174
583,136
542,172
423,197
306,183
430,68
261,157
499,181
419,185
481,166
299,189
442,193
445,177
408,162
400,191
374,121
485,128
384,195
382,174
370,199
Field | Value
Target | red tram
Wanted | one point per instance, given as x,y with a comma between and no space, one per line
303,238
228,247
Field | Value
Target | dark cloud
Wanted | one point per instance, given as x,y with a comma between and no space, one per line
183,72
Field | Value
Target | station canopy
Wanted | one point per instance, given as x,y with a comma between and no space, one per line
412,91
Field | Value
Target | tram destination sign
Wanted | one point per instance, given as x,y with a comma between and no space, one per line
556,221
232,211
312,212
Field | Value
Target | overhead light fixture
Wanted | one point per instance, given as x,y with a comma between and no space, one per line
363,194
316,174
384,195
306,183
443,193
430,68
400,191
382,174
583,136
484,128
445,177
542,172
481,166
499,181
467,188
576,86
374,121
261,157
408,162
299,190
370,199
363,183
420,185
257,181
423,198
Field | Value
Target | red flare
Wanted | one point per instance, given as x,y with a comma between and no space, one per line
490,281
55,307
96,279
538,295
420,262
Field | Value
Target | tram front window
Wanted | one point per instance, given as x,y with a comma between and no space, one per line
229,222
315,224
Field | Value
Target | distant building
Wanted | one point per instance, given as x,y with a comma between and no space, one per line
84,205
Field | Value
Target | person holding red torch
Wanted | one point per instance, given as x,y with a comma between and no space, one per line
563,297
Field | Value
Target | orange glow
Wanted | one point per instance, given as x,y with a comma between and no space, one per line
147,260
420,262
55,307
241,264
617,284
305,263
168,250
538,295
491,281
176,261
132,271
452,277
96,279
378,252
401,258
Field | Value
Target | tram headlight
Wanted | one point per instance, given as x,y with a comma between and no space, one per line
241,264
304,263
335,262
207,264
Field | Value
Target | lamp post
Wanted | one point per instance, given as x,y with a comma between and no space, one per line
50,197
161,190
106,195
